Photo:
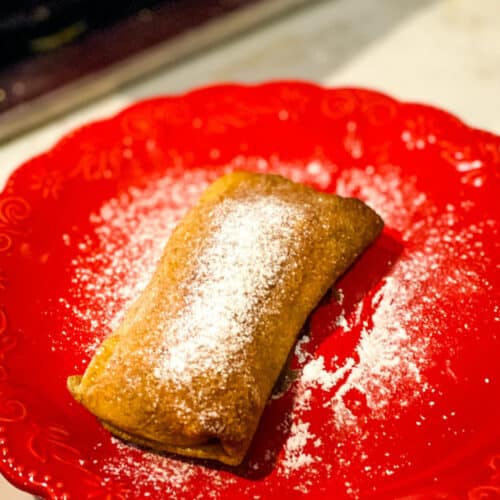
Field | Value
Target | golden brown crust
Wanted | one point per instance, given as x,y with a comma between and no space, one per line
193,363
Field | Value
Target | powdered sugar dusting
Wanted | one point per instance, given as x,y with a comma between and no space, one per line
252,242
161,475
315,374
131,231
396,329
386,359
383,191
387,367
295,456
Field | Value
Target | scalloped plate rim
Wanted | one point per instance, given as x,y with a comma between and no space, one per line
260,85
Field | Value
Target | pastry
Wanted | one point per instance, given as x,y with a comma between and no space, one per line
194,361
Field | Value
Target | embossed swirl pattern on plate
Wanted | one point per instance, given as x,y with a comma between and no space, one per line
13,210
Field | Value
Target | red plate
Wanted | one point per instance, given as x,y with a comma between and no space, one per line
398,382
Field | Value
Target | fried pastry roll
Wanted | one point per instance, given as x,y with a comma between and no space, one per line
194,361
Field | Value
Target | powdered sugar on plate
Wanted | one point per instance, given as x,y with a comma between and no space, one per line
295,457
394,330
117,262
398,325
162,475
395,201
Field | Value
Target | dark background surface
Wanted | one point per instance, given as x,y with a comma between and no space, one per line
50,43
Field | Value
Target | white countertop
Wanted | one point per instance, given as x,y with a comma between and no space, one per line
442,52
